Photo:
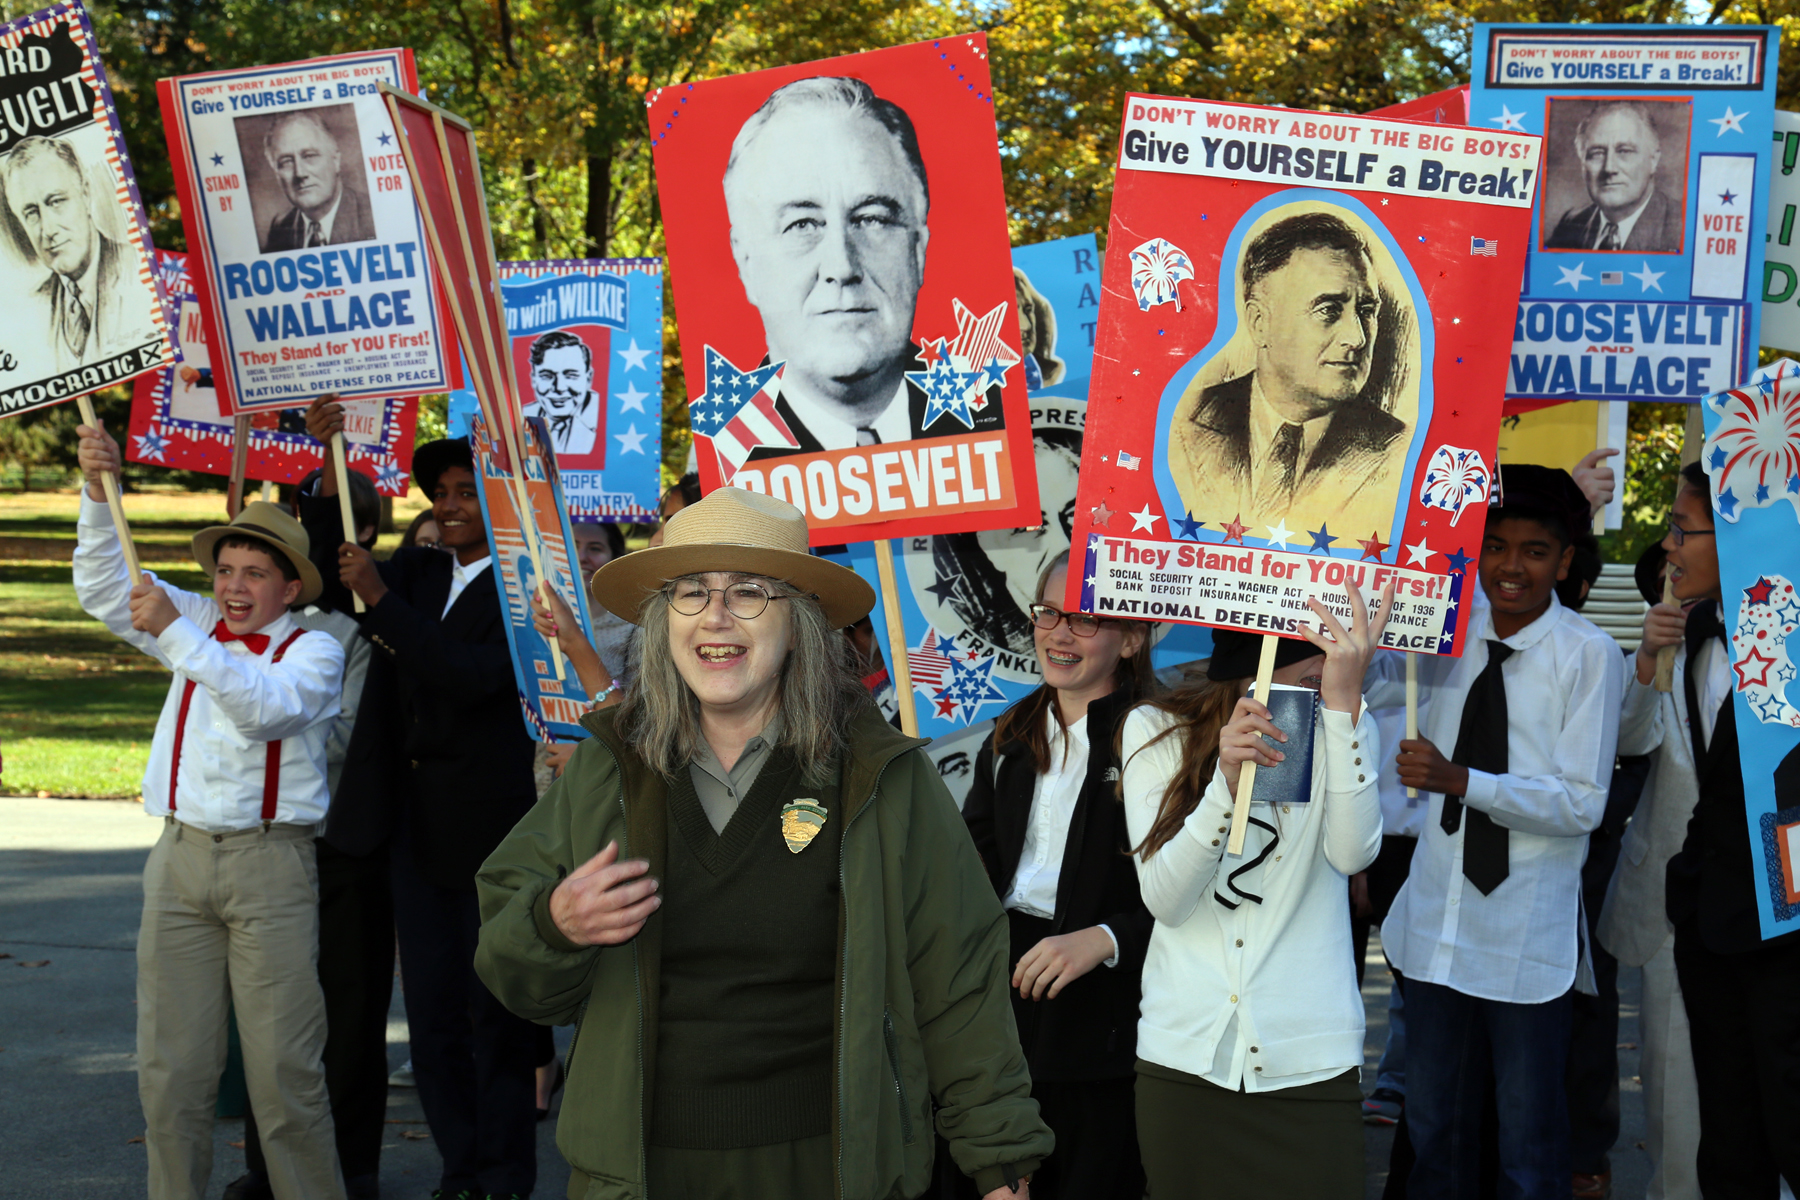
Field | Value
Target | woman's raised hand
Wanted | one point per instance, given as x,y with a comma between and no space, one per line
1347,651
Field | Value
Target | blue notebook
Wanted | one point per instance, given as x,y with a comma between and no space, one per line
1293,709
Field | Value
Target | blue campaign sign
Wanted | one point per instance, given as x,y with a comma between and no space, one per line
963,597
1752,459
585,337
1643,275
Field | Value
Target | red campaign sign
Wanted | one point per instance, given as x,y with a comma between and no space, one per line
1299,368
839,251
175,419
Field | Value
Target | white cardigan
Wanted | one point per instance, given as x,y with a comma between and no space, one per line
1262,996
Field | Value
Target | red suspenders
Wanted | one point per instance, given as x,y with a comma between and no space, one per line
271,764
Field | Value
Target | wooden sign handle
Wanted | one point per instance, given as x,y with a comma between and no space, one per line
240,466
1665,658
1240,812
342,468
1412,709
898,667
110,483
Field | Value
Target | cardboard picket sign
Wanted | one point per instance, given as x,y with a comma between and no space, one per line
838,244
309,253
82,309
585,347
552,706
1339,269
1781,250
175,419
1752,460
1639,282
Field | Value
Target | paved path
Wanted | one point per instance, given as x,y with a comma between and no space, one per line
70,893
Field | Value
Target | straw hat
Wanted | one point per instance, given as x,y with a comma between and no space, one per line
731,529
274,525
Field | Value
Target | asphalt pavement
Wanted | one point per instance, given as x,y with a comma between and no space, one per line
70,1125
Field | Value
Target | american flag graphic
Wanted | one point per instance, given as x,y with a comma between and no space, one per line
929,667
737,411
1129,460
756,424
1483,246
1612,278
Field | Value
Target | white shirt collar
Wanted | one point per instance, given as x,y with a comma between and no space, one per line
834,433
1526,638
330,217
1625,226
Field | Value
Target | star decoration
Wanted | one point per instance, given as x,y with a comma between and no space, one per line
1508,119
1758,592
1419,555
1726,197
1768,708
631,400
218,160
1647,279
1145,519
1279,534
1188,529
1753,669
1372,546
1788,613
1235,529
388,476
152,445
631,441
727,391
971,685
384,137
1458,561
1762,493
948,391
1322,538
1100,515
944,588
1728,502
994,374
634,356
1718,458
931,352
1573,276
1731,122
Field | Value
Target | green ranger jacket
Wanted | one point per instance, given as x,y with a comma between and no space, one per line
924,1017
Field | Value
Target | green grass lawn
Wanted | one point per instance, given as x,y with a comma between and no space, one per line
78,707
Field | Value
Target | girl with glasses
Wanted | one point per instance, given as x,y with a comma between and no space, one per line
1044,814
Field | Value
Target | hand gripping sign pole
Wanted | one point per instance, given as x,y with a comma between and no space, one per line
1240,811
439,149
110,483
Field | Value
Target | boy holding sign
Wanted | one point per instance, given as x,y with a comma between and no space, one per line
1486,930
237,771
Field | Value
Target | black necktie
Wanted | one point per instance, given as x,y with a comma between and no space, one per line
1285,454
1609,237
1481,746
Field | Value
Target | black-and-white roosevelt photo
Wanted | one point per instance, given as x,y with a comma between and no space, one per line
75,293
1615,175
304,172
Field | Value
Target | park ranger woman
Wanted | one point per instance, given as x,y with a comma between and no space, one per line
758,903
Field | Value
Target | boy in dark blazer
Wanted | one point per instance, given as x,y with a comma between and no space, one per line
439,766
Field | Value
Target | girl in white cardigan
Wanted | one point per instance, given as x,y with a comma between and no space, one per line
1251,1028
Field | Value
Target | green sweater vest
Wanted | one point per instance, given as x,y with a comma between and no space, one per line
749,970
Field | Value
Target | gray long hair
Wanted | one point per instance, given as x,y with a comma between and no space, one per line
820,693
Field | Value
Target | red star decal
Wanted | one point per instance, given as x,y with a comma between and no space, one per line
1753,670
1235,529
946,708
930,353
1100,514
1758,592
1372,546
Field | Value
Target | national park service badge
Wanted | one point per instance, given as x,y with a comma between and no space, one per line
801,822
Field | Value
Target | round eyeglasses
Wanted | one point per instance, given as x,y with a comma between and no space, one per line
1682,535
745,601
1080,624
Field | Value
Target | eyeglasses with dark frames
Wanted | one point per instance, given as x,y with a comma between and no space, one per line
1682,535
744,600
1047,618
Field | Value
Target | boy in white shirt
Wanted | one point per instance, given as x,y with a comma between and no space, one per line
1487,929
237,772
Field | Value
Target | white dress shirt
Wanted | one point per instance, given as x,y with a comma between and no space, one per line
1262,996
1520,944
242,702
1625,226
461,577
831,431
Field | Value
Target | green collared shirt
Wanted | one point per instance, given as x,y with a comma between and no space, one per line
721,791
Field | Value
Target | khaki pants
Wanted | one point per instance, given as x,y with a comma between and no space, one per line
233,917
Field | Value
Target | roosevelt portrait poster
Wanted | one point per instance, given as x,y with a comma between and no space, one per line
307,250
1645,258
1301,367
82,308
839,256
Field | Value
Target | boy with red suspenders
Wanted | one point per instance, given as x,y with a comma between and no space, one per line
237,772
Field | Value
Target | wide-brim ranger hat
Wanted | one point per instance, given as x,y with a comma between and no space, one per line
731,529
274,526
